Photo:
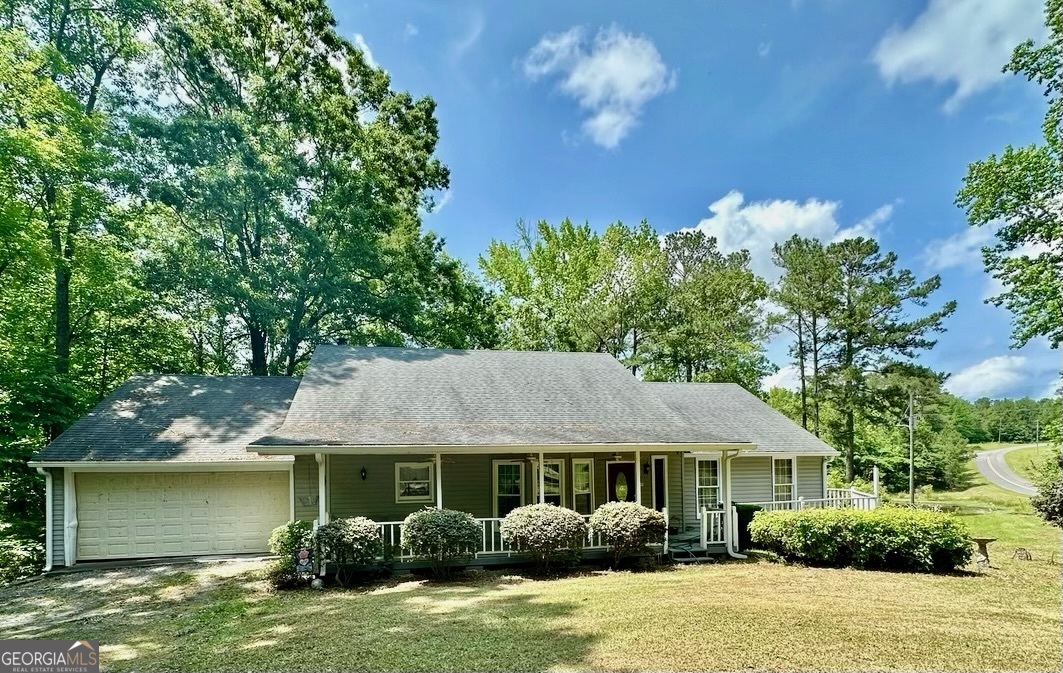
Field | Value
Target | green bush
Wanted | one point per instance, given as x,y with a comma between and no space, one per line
19,558
288,538
886,538
284,541
348,543
628,527
1048,501
443,537
544,531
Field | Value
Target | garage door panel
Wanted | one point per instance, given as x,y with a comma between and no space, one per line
178,514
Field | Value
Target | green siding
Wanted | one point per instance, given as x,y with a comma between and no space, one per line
305,472
58,505
467,483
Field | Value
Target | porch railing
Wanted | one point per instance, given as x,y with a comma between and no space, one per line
493,544
837,498
713,526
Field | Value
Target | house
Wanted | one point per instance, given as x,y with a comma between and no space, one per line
199,465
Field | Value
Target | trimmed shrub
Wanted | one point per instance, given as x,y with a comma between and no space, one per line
348,543
443,537
544,531
20,558
284,541
1048,501
886,538
628,527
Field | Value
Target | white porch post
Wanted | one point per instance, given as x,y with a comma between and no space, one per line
542,479
322,498
638,476
47,518
439,482
874,479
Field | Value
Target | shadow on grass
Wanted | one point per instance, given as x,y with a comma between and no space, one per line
177,619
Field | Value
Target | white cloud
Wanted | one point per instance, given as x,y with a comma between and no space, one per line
612,77
991,377
472,35
410,31
759,225
764,49
961,250
959,42
787,377
443,200
363,46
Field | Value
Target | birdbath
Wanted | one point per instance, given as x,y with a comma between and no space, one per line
983,548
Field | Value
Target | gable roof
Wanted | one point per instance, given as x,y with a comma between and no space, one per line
360,396
177,419
741,416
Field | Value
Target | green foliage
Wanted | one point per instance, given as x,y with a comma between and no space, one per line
443,537
354,541
544,531
628,527
19,558
885,538
285,541
1018,193
1048,501
682,312
288,538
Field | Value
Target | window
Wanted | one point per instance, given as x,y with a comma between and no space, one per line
414,482
782,479
552,479
509,487
707,483
583,485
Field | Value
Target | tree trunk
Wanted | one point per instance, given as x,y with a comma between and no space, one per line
815,376
850,449
801,372
62,318
689,371
259,364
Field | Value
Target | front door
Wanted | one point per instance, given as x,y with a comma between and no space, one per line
620,481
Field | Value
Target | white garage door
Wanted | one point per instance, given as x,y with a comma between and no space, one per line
125,515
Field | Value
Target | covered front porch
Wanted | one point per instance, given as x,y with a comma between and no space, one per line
689,487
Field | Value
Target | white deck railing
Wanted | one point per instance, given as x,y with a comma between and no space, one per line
837,498
491,540
713,526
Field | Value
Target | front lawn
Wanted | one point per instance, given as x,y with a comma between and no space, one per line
714,617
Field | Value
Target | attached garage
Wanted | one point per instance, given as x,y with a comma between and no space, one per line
153,514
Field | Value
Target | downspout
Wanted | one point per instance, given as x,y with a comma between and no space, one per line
728,538
47,519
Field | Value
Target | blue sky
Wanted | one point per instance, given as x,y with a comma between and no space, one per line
820,117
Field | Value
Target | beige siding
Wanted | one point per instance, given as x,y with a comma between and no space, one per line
305,472
810,477
751,479
58,517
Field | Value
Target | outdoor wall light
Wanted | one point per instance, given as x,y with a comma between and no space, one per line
363,473
645,468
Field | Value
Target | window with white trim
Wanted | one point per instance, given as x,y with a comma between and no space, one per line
583,485
414,482
782,479
509,486
552,482
707,484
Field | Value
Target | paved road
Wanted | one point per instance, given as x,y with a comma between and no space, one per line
993,467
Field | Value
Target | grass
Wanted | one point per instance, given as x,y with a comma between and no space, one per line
1024,461
724,616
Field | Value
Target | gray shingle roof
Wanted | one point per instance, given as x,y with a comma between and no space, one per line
177,419
739,415
398,396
